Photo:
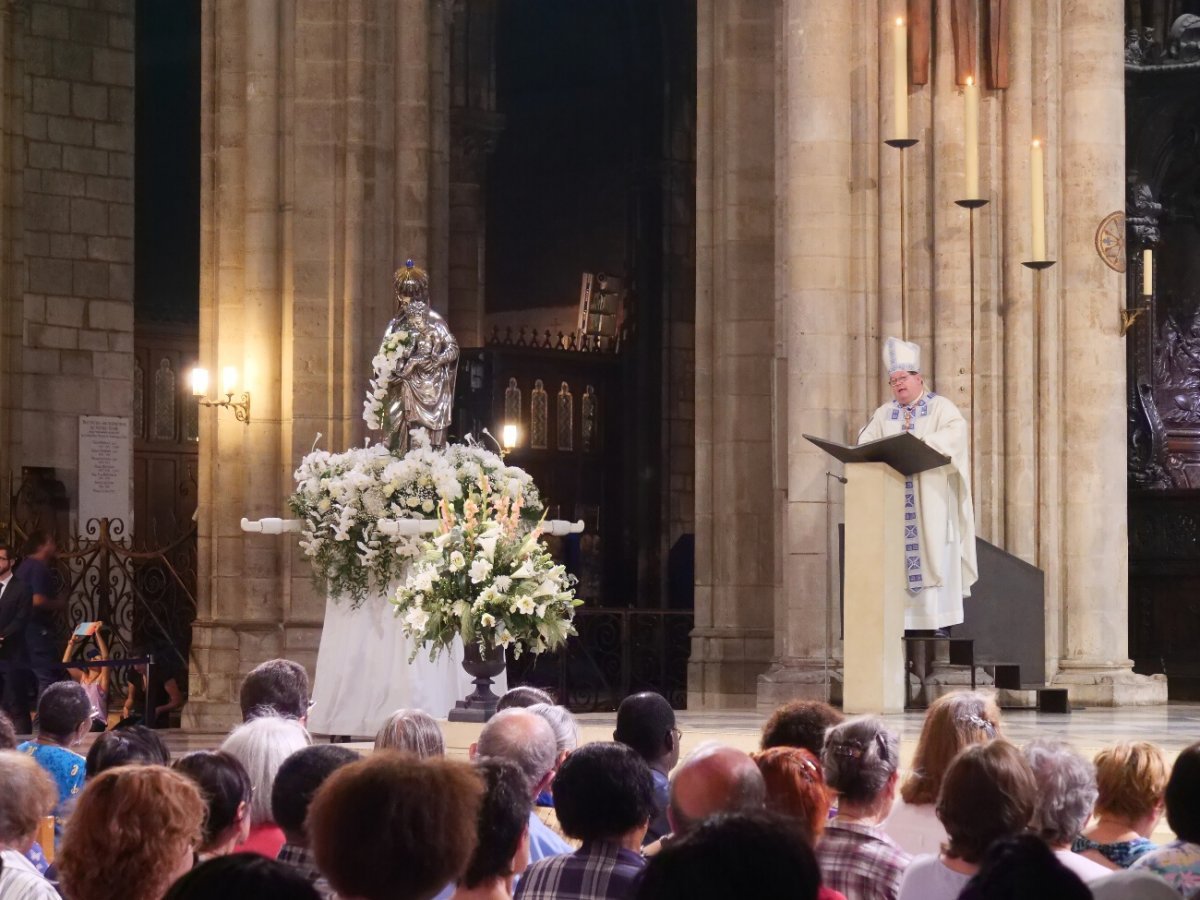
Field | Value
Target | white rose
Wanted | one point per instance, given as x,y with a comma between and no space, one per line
413,502
427,506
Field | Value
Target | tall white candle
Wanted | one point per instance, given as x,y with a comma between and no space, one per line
1147,272
1037,204
900,80
971,95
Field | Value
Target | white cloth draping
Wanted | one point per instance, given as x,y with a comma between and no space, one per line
363,673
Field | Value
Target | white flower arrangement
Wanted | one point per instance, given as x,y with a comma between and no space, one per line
343,498
486,579
395,350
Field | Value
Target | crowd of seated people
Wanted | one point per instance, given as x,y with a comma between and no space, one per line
824,809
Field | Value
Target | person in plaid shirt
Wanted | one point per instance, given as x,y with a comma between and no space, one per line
604,796
861,760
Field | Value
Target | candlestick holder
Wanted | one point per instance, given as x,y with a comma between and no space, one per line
970,206
1038,266
903,144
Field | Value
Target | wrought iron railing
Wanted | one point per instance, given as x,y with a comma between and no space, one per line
145,595
616,653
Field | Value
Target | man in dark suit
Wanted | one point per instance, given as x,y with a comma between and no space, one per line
16,606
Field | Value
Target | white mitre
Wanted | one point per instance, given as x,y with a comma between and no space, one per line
901,356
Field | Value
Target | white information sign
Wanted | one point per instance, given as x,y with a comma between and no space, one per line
105,458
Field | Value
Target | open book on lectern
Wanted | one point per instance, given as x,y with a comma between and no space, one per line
904,452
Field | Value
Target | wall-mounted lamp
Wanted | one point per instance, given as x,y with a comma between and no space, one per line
229,378
508,435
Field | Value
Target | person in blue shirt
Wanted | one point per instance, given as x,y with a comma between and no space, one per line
525,738
64,717
41,641
646,724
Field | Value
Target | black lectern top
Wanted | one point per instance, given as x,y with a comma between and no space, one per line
904,452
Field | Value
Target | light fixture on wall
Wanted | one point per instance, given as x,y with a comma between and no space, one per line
508,435
229,380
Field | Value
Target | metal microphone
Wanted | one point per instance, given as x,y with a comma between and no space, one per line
840,478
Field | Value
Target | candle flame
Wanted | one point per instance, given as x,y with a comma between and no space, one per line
970,81
1036,142
899,22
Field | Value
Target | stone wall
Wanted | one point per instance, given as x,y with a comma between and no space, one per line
67,323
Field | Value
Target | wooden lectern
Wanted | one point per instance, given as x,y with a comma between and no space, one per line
873,645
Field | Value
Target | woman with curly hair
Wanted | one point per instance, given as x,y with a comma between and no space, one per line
134,831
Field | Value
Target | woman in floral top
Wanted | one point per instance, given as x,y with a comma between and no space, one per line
1130,778
1178,863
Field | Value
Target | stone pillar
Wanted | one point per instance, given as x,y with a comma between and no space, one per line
475,127
815,338
735,185
1094,661
315,180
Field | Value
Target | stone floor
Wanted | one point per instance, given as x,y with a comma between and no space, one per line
1173,727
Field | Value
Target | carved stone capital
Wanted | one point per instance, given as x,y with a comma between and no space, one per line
1142,213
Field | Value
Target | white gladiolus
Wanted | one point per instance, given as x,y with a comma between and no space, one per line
457,561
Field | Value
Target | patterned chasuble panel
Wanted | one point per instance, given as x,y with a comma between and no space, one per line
907,416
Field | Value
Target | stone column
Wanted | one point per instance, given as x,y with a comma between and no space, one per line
1094,661
815,323
475,127
735,185
310,184
413,135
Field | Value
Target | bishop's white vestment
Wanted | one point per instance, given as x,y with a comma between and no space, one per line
939,533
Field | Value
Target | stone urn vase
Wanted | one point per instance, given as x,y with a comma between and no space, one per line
482,666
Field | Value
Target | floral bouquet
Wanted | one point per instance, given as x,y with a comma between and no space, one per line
343,499
489,580
396,348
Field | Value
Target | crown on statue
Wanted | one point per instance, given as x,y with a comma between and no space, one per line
411,283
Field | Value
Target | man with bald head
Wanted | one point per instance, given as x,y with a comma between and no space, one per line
713,779
525,739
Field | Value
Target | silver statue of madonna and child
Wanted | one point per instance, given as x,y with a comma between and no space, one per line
421,393
363,673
